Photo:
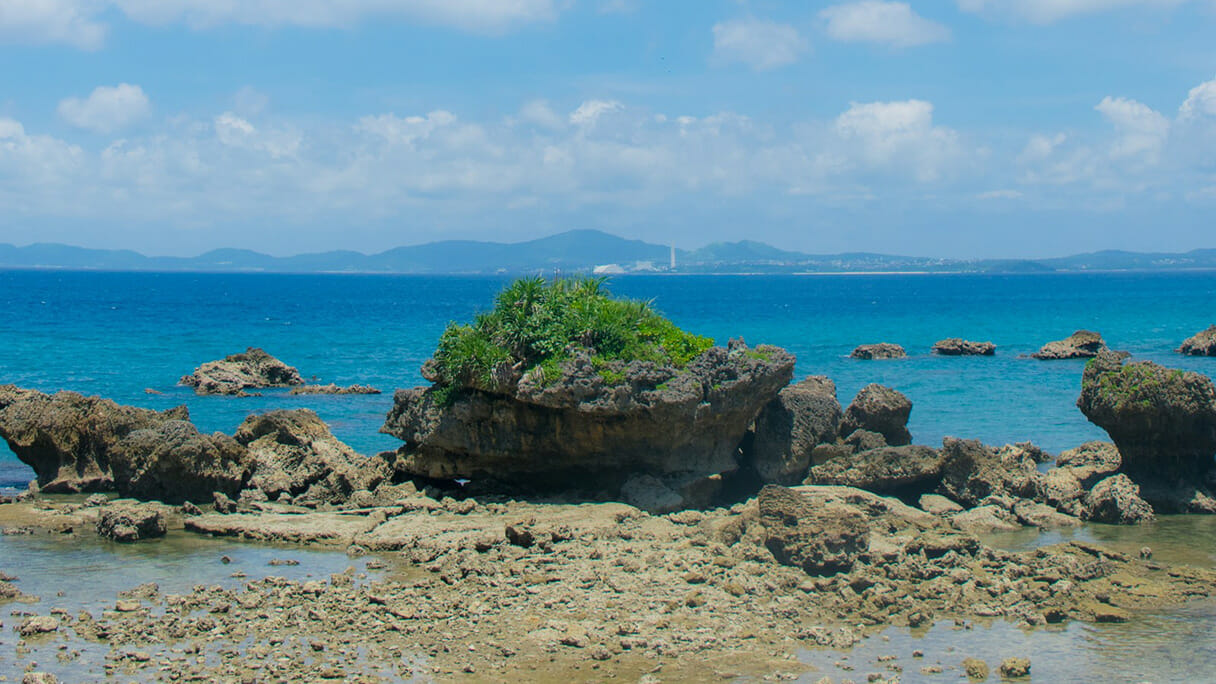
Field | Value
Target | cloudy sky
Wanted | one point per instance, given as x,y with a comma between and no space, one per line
961,128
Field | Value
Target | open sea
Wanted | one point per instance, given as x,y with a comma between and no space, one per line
119,334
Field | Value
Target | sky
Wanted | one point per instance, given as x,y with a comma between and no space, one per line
953,128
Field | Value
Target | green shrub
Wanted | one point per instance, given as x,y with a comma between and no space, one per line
537,324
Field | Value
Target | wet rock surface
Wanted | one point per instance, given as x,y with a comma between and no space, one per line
67,438
594,431
235,373
1163,422
880,351
1083,344
954,346
333,389
882,410
503,590
1202,343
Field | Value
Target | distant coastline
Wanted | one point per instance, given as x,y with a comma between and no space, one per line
586,251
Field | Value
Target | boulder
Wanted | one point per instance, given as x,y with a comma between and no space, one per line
1083,344
174,463
1163,422
251,369
883,350
904,470
1090,462
67,438
294,453
1042,516
803,416
938,504
1202,343
123,523
882,410
591,428
863,440
973,472
821,539
985,520
954,346
1116,501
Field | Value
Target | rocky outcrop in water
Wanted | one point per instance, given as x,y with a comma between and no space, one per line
1163,422
251,369
955,346
1116,500
880,351
67,438
1083,344
333,389
1202,343
882,410
802,417
593,428
173,462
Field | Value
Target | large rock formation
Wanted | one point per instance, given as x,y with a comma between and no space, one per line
174,463
251,369
67,438
972,472
1163,422
593,427
882,350
294,453
803,416
955,346
1083,344
1202,343
882,410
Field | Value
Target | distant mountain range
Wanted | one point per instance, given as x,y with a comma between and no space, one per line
580,251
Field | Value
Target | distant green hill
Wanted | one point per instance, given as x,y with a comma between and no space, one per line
580,251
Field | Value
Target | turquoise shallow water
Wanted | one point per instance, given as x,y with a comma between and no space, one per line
115,334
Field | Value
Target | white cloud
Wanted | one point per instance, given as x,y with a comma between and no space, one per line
1201,101
758,43
52,21
539,112
106,109
406,130
901,134
81,22
237,132
1006,194
887,23
1050,11
590,111
1142,131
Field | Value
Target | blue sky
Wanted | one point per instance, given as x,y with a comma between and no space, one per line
959,128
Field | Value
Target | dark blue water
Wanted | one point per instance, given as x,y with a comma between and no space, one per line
115,334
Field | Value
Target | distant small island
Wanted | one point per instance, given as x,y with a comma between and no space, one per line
583,251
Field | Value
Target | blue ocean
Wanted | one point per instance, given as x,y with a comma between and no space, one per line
119,334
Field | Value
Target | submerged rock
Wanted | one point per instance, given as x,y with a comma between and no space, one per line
175,463
123,523
67,438
591,431
803,416
1202,343
954,346
251,369
333,389
882,410
1163,422
882,350
1083,344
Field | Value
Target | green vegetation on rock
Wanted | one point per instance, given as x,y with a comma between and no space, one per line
536,324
